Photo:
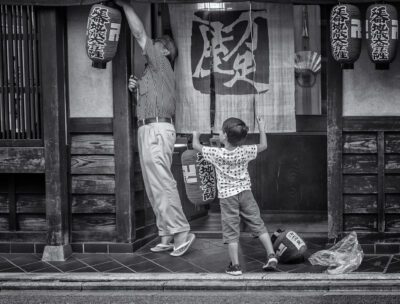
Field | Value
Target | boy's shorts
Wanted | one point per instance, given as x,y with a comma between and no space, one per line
241,205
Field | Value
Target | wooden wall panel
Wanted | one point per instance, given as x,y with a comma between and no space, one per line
392,143
93,184
93,204
360,223
392,204
22,160
92,176
360,143
291,174
31,203
393,222
392,163
94,222
4,203
392,184
360,184
4,225
92,164
360,163
94,236
32,222
92,144
360,203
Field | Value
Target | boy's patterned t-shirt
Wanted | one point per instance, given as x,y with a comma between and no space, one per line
231,167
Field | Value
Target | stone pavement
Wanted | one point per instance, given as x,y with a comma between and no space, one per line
206,256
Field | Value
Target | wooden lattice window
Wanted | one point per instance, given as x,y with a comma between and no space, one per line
20,104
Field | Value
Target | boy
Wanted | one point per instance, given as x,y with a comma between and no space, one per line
234,187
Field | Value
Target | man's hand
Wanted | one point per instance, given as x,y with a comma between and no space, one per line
133,84
122,3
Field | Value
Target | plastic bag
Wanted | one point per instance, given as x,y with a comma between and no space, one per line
344,257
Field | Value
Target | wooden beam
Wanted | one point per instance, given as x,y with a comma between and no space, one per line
371,123
334,146
89,2
52,58
91,125
21,143
124,142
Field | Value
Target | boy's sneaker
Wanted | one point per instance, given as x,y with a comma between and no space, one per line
233,269
271,263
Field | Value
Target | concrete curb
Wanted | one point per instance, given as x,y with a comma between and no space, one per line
370,282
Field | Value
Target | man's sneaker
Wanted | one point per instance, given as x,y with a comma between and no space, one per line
234,269
271,263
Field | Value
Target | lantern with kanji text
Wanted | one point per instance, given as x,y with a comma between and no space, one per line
199,177
346,34
381,31
102,34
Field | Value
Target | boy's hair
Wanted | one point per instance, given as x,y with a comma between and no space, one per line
236,131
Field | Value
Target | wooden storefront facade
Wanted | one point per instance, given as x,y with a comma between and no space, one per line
78,181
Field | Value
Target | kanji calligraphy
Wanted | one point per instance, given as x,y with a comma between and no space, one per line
207,177
233,46
97,32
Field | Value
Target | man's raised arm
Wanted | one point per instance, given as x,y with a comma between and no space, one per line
135,24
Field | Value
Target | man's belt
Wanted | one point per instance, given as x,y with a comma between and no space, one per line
145,121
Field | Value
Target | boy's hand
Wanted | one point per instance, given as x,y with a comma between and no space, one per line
261,123
196,134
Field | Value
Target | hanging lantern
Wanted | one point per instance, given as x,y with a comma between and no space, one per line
102,34
381,30
346,35
199,177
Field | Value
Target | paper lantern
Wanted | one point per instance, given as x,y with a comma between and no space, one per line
381,31
288,246
346,34
102,34
199,177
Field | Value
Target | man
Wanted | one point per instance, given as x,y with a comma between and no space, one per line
156,135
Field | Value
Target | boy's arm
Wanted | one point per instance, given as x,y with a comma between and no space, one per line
135,24
196,142
263,136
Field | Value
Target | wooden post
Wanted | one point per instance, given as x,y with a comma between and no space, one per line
52,59
334,145
124,142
